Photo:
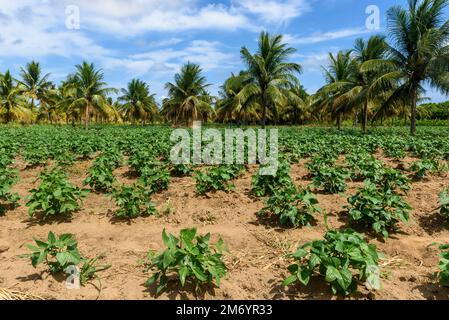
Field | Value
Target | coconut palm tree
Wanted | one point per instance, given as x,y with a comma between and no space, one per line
90,91
359,88
341,70
419,53
296,110
232,105
13,105
48,105
138,104
271,73
66,95
35,83
188,99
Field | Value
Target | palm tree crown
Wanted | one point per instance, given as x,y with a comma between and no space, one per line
12,102
35,83
138,104
271,73
419,53
90,91
188,99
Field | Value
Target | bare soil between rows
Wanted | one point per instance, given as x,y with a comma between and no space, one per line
257,248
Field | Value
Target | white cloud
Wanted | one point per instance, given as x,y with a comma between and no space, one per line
182,18
274,11
313,62
326,36
166,61
34,31
165,42
136,17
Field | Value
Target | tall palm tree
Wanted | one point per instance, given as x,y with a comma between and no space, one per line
138,104
419,53
365,90
90,91
232,105
12,102
66,95
35,83
296,109
341,70
359,88
271,73
188,99
48,105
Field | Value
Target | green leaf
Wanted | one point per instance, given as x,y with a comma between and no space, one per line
332,274
289,280
183,273
51,238
199,274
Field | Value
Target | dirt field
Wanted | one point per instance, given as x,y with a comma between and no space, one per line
256,248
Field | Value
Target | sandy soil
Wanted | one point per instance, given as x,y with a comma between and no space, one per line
256,248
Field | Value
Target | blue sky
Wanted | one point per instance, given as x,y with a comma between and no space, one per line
151,39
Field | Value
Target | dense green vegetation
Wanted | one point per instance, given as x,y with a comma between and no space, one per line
378,79
332,157
375,80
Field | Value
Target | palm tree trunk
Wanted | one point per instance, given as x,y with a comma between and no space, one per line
264,115
413,113
365,117
86,120
339,121
8,115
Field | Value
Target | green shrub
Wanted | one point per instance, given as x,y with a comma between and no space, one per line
189,258
8,177
155,177
331,179
266,185
443,274
181,170
319,161
391,179
55,195
423,168
343,258
293,208
217,178
59,253
364,166
100,178
378,209
111,158
133,201
444,204
64,158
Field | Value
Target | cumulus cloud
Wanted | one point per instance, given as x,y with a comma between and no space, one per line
278,12
326,36
208,54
